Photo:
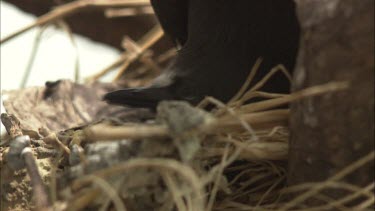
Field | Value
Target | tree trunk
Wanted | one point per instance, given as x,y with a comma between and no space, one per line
332,131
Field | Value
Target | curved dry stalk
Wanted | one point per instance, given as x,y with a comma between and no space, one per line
102,132
108,69
254,190
251,181
118,3
166,55
108,189
219,173
85,197
175,192
32,57
249,78
250,95
273,71
126,58
55,14
52,186
147,60
148,40
357,192
252,151
327,199
126,12
38,187
365,204
263,197
235,155
334,203
262,150
244,172
161,164
52,138
72,40
153,64
244,123
308,92
315,189
263,119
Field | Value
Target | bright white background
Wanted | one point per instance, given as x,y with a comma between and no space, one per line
55,57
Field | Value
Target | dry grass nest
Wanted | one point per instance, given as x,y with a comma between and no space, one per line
231,158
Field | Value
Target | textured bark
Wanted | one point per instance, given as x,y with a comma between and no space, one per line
330,132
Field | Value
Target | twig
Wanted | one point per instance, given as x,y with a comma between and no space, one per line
119,3
174,190
69,33
315,189
216,181
147,60
259,119
109,191
106,70
269,119
232,113
80,202
12,125
153,63
128,57
252,151
250,95
166,55
144,43
53,139
273,71
55,14
114,13
39,190
73,7
20,149
102,132
161,164
249,78
33,53
308,92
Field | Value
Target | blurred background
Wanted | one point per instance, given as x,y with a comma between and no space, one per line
53,52
55,58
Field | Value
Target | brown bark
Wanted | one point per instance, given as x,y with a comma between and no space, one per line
332,131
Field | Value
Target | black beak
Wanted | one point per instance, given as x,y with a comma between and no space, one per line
139,97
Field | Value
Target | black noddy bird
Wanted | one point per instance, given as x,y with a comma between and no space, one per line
220,42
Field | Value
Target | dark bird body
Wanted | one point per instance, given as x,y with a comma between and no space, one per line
221,40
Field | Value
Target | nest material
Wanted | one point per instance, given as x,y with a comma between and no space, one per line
231,158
